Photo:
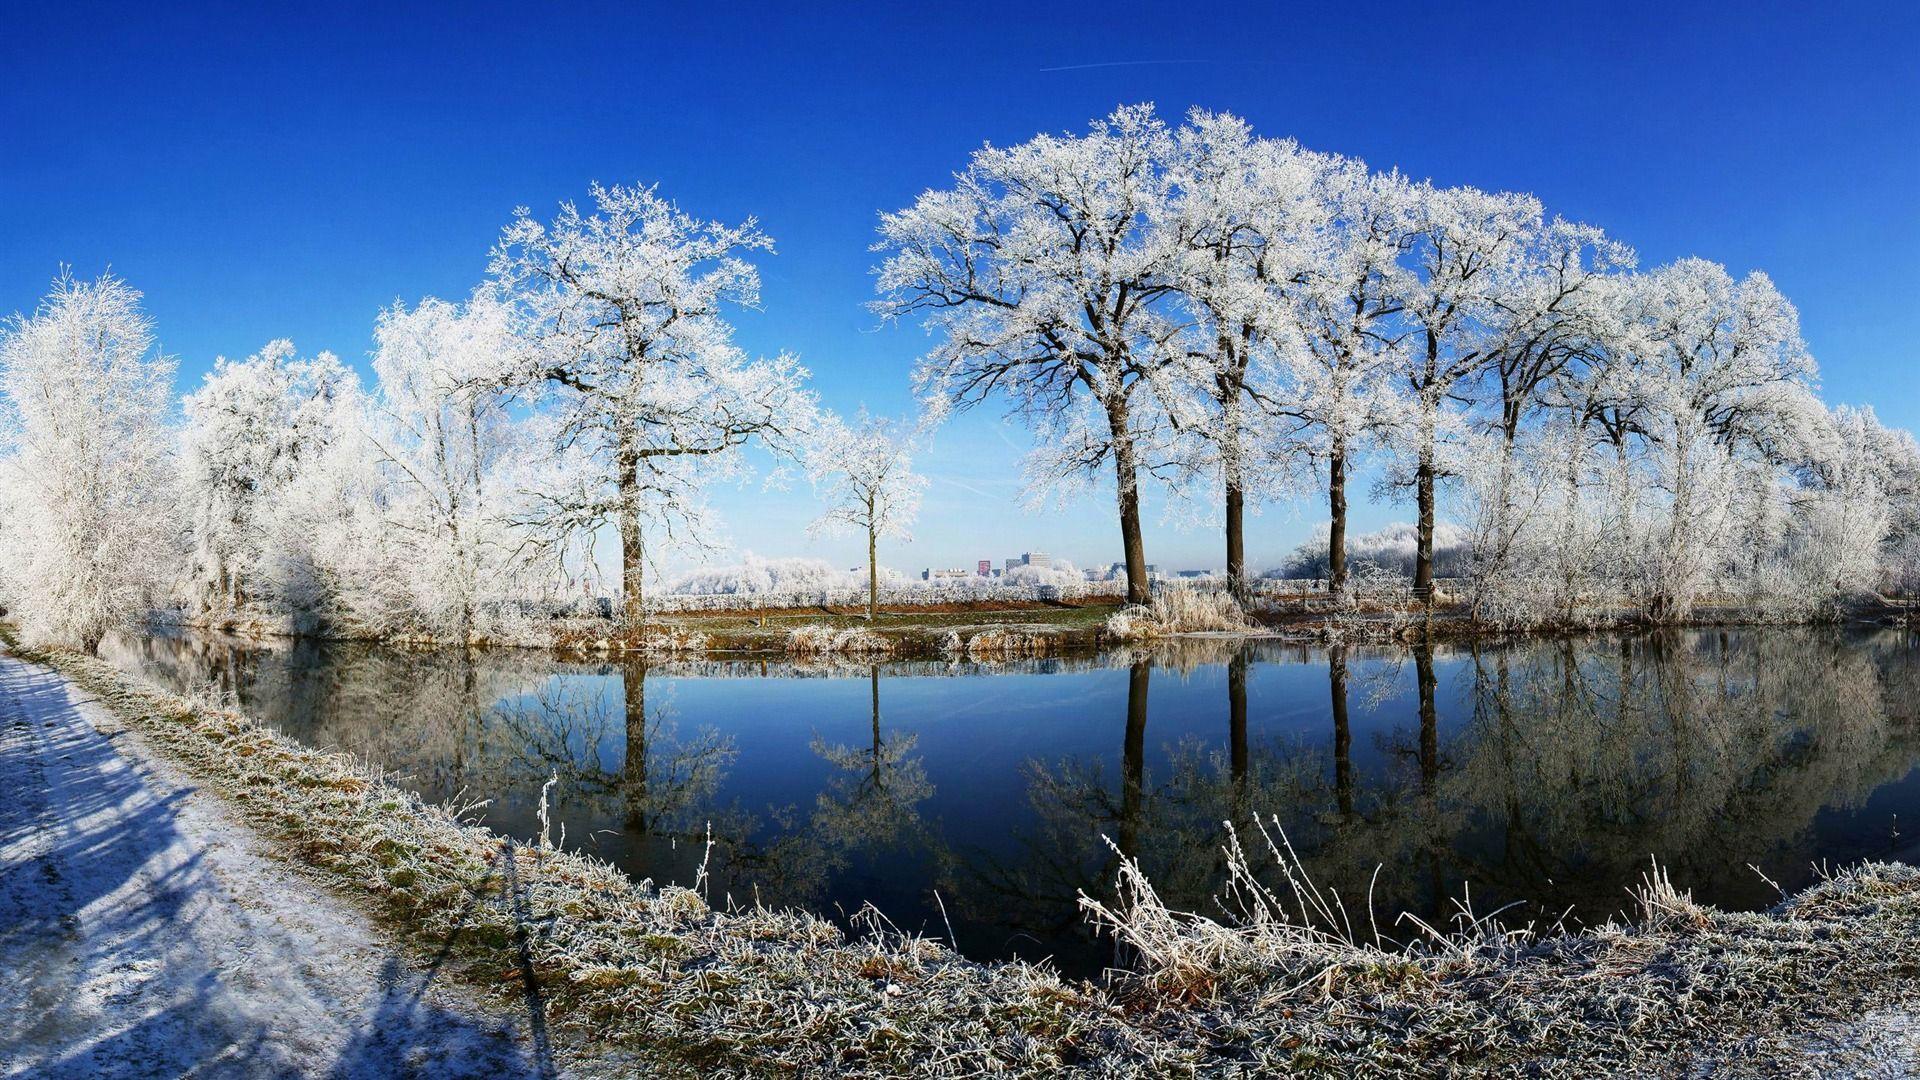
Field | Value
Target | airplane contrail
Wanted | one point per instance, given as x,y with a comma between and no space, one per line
1121,63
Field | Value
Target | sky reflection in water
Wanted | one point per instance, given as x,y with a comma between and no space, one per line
1544,773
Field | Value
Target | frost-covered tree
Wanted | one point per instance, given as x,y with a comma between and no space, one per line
1466,247
252,427
622,335
1836,546
335,560
1344,301
1554,324
1048,281
1240,210
865,473
1724,379
443,430
86,532
1393,548
753,574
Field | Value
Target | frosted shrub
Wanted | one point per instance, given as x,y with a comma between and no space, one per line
86,530
1178,611
1000,643
817,640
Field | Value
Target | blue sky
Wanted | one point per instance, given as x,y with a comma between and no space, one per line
262,171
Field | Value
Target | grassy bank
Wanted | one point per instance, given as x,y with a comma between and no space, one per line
1282,985
908,633
989,629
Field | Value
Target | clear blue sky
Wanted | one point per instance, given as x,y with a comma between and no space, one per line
264,172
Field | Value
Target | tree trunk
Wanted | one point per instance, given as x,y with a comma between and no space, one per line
1342,732
1127,478
633,766
1133,760
873,773
1429,718
1133,783
1233,476
1239,760
1236,542
632,555
1337,511
1423,493
873,570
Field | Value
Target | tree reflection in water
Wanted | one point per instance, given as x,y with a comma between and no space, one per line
1541,771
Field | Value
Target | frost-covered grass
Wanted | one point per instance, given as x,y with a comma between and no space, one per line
1282,978
1178,611
1004,642
816,640
653,640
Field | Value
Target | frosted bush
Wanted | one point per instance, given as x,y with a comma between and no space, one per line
818,640
1178,611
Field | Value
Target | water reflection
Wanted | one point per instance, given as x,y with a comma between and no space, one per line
987,797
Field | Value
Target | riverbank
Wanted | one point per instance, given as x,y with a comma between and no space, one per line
1008,628
758,991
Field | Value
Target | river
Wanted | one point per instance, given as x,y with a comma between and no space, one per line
975,802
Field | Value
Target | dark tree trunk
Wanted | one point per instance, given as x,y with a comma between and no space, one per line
1429,719
875,771
1239,760
1337,512
1133,784
633,611
873,568
633,767
1423,552
1430,773
1342,732
1127,478
1236,540
1233,475
1133,760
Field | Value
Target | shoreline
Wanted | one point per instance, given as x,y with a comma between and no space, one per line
958,632
751,991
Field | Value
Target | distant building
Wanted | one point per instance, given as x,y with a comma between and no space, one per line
931,574
986,567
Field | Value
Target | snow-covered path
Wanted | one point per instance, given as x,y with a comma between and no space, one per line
144,933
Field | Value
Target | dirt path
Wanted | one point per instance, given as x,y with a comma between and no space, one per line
144,933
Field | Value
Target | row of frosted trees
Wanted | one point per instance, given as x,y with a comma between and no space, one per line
1236,318
1251,321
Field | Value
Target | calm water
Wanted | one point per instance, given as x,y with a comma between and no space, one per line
1543,773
